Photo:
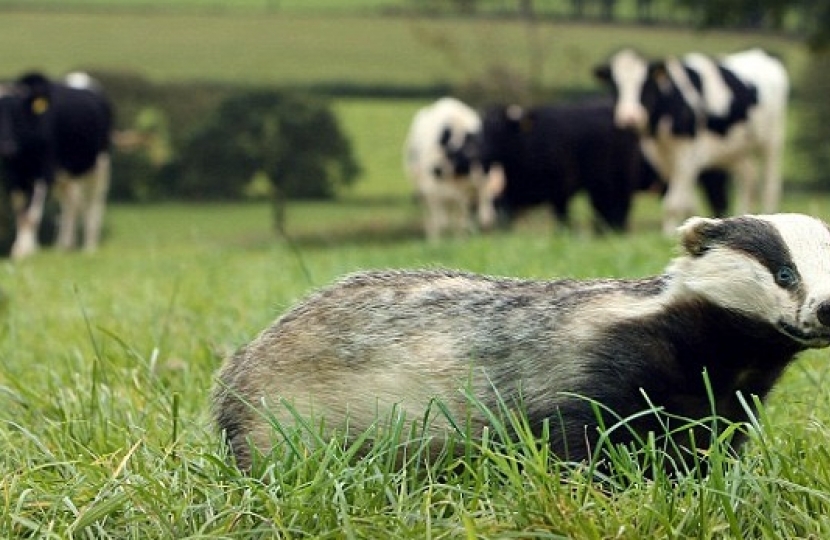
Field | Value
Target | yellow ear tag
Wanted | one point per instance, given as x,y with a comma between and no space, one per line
40,105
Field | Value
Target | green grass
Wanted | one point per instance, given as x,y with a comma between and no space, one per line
107,361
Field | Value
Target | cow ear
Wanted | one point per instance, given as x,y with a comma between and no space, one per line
40,105
35,89
446,134
698,234
514,113
603,72
657,69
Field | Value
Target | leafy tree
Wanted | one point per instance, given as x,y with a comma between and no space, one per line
295,140
813,14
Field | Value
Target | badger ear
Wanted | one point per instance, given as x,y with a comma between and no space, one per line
698,234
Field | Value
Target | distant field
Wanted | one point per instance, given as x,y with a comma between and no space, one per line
305,48
328,6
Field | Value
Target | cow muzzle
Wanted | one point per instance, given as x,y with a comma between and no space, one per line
631,116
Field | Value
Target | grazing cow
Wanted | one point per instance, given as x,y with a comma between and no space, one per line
546,154
698,112
55,134
441,157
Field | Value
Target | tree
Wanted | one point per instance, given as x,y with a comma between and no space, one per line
294,140
754,13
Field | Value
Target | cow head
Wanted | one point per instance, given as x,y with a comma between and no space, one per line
502,128
22,109
461,148
637,85
35,91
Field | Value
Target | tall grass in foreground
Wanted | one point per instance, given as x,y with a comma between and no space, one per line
106,362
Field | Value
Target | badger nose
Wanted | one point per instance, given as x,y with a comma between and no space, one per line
823,313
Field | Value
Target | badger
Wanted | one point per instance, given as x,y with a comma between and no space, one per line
744,296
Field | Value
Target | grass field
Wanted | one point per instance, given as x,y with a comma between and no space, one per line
107,360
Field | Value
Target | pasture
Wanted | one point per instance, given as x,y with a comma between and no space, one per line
107,360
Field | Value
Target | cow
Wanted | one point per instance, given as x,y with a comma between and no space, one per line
546,154
713,181
698,112
441,157
55,135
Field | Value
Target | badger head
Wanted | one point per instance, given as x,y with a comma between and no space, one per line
773,268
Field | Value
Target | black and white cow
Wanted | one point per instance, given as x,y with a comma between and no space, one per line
714,182
697,112
546,154
55,135
441,157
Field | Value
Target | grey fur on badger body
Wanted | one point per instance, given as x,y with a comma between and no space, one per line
743,298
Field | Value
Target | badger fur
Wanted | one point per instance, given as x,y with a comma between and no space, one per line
745,295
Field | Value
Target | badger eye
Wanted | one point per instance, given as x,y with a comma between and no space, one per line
786,277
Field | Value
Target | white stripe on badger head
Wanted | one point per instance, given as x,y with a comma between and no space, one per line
808,240
716,94
727,278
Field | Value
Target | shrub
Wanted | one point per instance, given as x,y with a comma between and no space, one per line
295,140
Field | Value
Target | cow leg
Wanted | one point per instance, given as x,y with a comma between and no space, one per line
680,201
772,177
68,192
435,219
459,211
95,201
28,215
715,184
746,174
560,213
486,210
489,187
560,202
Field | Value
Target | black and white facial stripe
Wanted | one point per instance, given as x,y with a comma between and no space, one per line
780,266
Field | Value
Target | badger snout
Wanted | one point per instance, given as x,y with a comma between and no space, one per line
812,327
823,313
